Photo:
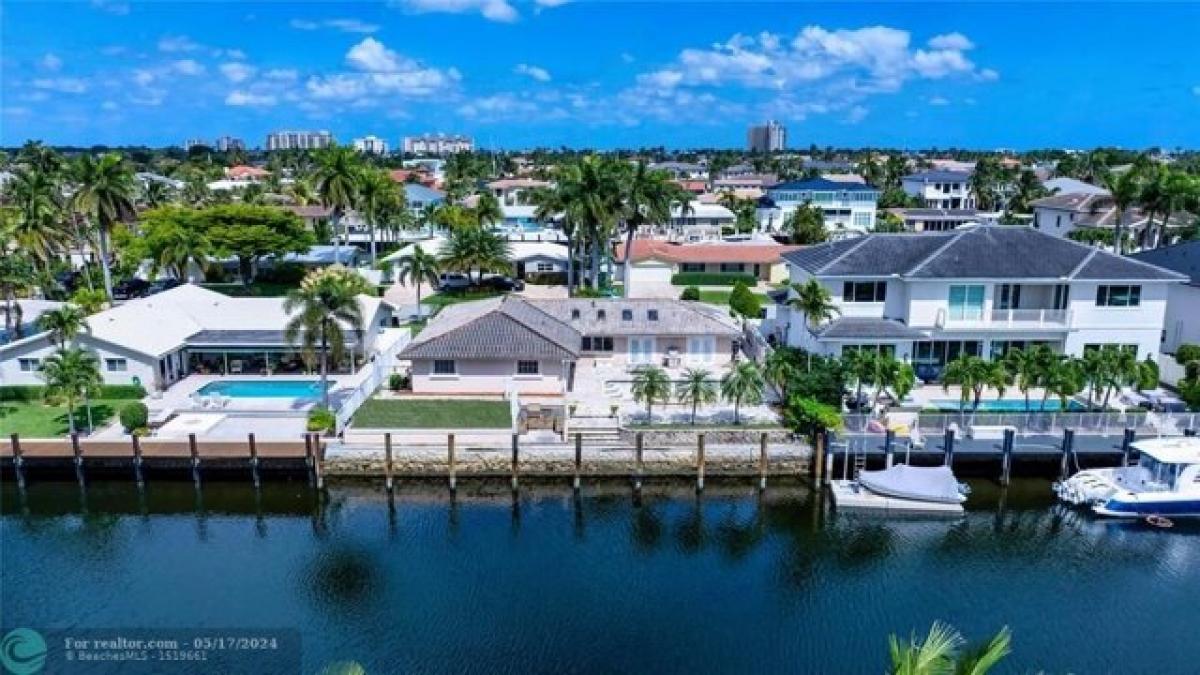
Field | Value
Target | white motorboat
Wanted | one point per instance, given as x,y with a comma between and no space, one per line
1164,482
903,488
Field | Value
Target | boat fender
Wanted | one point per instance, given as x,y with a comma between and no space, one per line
1159,521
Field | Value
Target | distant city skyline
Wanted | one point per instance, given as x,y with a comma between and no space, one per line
603,75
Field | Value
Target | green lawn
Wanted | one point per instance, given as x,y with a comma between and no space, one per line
38,420
439,300
722,297
433,414
258,289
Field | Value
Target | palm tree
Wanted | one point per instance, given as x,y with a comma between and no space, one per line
860,365
418,267
71,375
300,192
779,369
590,191
377,194
696,388
38,227
337,180
645,197
16,271
549,206
474,248
1179,188
973,375
63,324
1027,368
683,200
104,193
1096,367
156,193
183,247
487,210
326,306
650,384
939,653
742,384
1125,188
816,302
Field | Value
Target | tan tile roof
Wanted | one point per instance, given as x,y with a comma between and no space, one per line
666,251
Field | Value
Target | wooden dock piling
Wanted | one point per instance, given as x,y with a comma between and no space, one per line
889,448
948,448
254,461
637,476
1068,445
136,441
77,452
762,461
18,461
450,462
515,461
700,462
1127,446
1006,456
318,468
388,467
819,457
308,459
578,461
195,452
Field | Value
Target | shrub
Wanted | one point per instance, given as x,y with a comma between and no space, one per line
743,301
1185,354
712,279
690,293
806,416
134,416
29,393
320,419
546,278
397,381
284,273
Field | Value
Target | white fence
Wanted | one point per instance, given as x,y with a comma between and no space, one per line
1143,423
373,375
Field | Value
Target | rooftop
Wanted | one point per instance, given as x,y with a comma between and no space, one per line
822,184
1183,258
705,252
939,176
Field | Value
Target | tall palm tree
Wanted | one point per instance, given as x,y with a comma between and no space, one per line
63,324
1063,378
71,376
590,191
1125,189
549,206
1027,368
300,192
418,267
860,365
325,306
184,247
16,272
816,302
155,193
38,226
941,653
742,384
104,194
1177,191
336,180
973,375
470,249
779,369
651,384
377,194
697,388
645,197
487,210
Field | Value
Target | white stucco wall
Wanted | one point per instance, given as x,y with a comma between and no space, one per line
1183,317
493,377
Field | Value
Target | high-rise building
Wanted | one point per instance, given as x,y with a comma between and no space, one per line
437,144
769,137
227,143
371,145
194,142
298,140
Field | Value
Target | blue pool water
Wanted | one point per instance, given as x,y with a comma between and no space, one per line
1009,405
263,388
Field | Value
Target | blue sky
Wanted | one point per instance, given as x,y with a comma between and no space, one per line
522,73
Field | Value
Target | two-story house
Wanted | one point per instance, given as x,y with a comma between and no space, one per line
847,205
981,291
940,189
1061,214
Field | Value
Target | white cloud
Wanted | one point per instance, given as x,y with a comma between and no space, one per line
539,74
188,67
378,72
627,57
50,62
551,3
113,50
343,25
371,55
987,75
939,100
493,10
237,72
62,85
1196,90
249,99
952,41
177,43
118,7
110,106
282,74
856,114
143,77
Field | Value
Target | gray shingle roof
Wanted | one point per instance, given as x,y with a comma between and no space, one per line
936,175
1002,252
859,327
1182,258
674,317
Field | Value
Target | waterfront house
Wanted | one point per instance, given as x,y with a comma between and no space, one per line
511,343
158,340
511,191
940,189
846,205
942,220
1183,300
682,170
702,221
980,290
1061,214
655,261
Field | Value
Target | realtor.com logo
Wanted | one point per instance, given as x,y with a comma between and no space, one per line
23,651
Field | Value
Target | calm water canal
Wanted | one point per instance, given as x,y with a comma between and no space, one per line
729,582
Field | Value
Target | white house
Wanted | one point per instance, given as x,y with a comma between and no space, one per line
981,291
682,170
654,261
942,220
845,204
702,221
1183,301
158,340
512,191
940,189
1063,213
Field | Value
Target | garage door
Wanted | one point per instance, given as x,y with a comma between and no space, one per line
652,273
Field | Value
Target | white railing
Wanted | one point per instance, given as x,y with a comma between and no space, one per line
1006,318
373,375
1096,423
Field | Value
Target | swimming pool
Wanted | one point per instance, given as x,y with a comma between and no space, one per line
1008,405
306,389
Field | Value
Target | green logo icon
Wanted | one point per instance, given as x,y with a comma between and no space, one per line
23,651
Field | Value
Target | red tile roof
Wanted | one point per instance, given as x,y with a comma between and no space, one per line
243,171
666,251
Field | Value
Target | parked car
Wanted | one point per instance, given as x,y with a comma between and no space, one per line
160,285
453,282
500,282
130,288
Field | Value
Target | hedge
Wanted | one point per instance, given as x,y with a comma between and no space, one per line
28,393
712,279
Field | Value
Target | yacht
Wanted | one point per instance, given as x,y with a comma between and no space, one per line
1164,482
902,488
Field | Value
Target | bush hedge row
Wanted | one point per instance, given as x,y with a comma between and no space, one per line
713,279
29,393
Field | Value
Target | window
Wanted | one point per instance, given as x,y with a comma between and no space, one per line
1008,296
691,267
652,314
601,315
732,267
862,219
1118,296
1132,349
966,302
116,365
627,315
597,344
29,365
886,350
575,314
527,367
1062,296
864,291
444,367
545,267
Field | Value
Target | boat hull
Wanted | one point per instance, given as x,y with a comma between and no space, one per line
1140,506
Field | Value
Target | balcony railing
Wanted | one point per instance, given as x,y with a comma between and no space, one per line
1007,318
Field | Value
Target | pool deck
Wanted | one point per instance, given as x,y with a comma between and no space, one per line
178,397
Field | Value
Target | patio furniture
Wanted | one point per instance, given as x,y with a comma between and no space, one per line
235,367
159,417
